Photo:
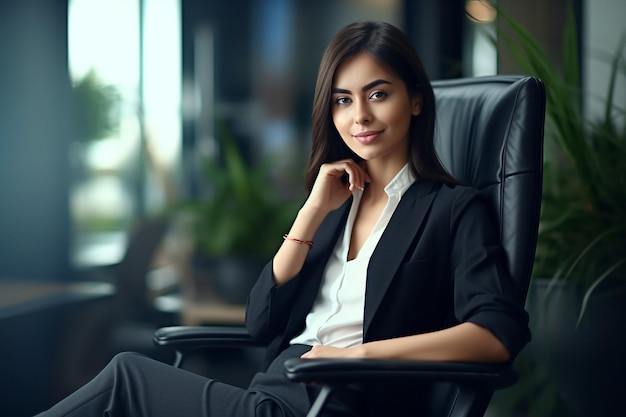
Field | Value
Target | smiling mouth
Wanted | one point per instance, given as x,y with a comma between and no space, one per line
367,137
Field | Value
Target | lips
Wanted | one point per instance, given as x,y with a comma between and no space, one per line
367,137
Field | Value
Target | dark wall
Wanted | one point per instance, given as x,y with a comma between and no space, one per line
34,213
436,28
230,23
545,20
34,139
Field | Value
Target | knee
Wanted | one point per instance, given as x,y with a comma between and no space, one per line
125,360
126,367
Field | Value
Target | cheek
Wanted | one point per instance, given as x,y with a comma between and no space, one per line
341,122
396,118
343,125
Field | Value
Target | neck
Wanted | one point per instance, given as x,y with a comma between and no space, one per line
382,174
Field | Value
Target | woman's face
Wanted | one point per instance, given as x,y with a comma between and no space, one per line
372,110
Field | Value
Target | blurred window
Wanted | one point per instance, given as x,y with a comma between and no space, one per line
125,66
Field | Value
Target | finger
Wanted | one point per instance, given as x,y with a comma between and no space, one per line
356,176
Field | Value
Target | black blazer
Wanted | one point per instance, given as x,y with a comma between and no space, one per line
438,263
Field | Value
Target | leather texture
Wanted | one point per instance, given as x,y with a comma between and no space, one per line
490,134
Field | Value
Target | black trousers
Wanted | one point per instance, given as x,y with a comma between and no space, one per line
132,385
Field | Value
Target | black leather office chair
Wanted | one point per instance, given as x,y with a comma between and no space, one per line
489,134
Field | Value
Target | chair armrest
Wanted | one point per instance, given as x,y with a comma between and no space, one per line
344,371
195,337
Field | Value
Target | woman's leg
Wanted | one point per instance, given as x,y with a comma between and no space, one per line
133,385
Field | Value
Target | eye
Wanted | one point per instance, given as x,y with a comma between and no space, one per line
378,95
342,100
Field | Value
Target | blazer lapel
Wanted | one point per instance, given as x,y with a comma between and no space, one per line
394,242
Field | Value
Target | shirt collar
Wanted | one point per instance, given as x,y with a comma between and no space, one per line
396,187
401,182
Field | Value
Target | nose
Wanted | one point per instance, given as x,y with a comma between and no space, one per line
362,112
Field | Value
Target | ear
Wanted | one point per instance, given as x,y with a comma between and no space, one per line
416,105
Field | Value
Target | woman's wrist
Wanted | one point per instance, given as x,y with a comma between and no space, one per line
306,223
312,211
362,351
308,243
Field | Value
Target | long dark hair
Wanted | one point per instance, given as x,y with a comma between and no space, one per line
393,49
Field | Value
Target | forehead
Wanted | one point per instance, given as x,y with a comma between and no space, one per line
360,70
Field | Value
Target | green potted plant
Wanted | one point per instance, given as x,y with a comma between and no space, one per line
584,200
94,106
238,225
581,250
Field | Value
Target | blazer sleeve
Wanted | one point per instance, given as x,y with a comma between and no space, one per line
483,287
272,308
269,305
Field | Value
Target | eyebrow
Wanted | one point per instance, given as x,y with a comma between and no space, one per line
366,87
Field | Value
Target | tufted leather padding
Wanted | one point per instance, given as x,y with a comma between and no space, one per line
499,151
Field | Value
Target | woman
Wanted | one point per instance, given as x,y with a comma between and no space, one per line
389,257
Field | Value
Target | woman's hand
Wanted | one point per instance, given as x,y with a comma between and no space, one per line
321,351
329,192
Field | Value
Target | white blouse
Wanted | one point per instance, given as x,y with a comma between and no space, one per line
336,318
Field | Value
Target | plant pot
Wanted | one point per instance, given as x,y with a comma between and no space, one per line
228,278
586,361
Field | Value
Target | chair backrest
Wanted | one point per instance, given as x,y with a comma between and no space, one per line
489,134
130,280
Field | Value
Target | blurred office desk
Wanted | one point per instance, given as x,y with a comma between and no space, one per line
23,297
198,312
33,319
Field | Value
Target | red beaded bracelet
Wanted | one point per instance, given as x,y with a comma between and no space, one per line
309,243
